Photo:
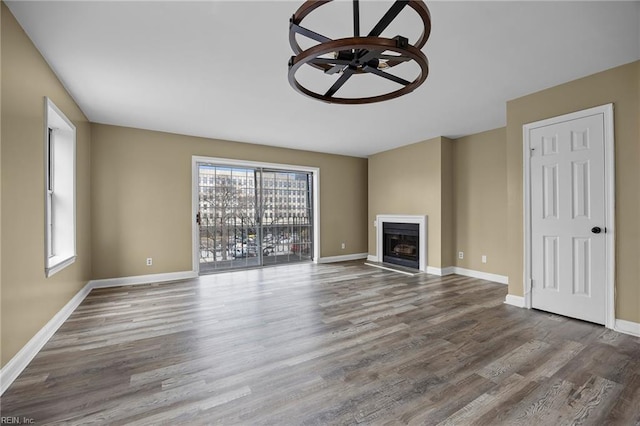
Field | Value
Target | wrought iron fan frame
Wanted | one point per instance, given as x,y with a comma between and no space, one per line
358,55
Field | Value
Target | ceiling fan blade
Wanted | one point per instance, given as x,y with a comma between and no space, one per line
339,82
330,61
308,33
396,58
386,75
334,69
384,22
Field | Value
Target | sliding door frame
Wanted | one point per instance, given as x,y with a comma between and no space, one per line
215,161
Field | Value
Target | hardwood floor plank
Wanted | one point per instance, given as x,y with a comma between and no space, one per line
325,344
486,401
559,357
508,364
625,410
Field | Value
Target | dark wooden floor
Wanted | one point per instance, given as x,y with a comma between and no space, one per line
326,344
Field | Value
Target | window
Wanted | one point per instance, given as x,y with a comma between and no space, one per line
60,190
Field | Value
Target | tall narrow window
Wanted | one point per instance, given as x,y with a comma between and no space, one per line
60,190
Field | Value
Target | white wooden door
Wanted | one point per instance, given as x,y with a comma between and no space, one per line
568,205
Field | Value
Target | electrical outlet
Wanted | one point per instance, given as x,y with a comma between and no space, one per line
460,255
484,259
149,261
343,246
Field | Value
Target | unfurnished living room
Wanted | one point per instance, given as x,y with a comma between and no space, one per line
320,212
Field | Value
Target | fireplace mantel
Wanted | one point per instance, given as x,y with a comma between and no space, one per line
422,223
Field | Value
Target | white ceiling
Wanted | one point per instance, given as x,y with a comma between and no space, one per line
219,69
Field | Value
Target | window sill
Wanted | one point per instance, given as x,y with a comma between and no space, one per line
58,263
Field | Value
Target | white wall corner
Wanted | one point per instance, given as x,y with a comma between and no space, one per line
627,327
372,258
449,270
514,300
434,271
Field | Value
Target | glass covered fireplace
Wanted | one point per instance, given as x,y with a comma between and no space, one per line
401,242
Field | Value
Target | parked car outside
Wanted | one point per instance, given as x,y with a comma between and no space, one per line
239,252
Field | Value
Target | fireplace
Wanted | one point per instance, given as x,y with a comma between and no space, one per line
401,244
418,222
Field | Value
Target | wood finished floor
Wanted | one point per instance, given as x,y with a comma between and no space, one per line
326,344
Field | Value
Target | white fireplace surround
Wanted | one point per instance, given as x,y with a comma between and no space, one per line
398,218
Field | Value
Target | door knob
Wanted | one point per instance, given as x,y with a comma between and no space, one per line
596,230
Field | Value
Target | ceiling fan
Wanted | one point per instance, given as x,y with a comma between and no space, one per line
357,55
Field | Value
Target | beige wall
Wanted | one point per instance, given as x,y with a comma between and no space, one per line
447,206
480,201
141,197
29,300
460,184
620,87
409,180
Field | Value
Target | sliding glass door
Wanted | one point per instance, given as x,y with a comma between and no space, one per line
251,217
286,216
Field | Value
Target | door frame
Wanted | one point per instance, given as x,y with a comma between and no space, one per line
609,193
195,231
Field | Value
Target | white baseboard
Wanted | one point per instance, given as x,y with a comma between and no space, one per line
621,326
343,258
449,270
627,327
143,279
514,300
481,275
439,271
19,362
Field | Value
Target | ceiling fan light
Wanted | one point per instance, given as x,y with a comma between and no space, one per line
383,64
